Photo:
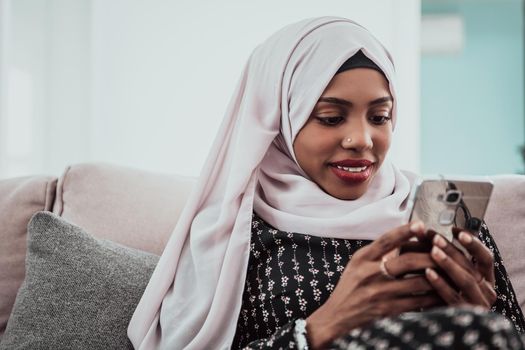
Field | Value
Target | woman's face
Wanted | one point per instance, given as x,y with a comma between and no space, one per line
356,104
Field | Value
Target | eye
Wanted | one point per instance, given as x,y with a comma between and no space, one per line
330,121
379,119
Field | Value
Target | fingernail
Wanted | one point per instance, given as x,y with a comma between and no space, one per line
438,253
465,238
416,226
440,241
431,273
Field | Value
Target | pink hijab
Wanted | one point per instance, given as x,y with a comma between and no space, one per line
194,296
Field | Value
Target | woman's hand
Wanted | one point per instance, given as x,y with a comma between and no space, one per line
366,293
475,281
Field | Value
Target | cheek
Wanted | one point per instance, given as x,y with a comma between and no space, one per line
313,147
382,142
316,143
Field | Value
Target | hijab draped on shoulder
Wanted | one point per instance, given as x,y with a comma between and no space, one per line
194,296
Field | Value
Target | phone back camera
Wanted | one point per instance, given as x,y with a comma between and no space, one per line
453,197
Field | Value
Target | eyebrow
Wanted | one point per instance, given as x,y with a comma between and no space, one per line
340,101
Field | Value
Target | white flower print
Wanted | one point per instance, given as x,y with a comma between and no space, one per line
391,326
463,319
265,315
299,278
270,284
284,281
445,339
470,337
433,328
313,271
302,304
317,294
267,271
407,337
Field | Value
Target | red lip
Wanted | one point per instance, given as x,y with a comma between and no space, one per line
352,163
349,177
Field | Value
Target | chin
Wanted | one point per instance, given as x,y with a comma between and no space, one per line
351,197
348,195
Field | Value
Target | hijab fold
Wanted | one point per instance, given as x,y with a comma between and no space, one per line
194,296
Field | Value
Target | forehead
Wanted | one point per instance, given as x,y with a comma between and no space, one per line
358,83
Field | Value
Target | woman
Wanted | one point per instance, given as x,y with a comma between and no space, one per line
303,148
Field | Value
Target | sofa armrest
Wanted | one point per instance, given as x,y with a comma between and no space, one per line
505,218
20,198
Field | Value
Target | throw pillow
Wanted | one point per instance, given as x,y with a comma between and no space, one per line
79,292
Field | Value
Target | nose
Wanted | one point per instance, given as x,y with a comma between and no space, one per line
357,137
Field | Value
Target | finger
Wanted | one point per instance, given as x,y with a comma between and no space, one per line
367,272
443,289
397,288
409,262
458,256
488,291
392,239
483,256
465,281
456,231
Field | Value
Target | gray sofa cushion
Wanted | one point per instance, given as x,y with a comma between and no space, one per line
79,292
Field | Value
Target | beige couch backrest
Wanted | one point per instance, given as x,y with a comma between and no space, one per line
129,206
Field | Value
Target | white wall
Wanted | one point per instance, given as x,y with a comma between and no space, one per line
405,47
23,43
45,91
145,83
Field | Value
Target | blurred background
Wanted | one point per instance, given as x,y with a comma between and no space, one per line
145,83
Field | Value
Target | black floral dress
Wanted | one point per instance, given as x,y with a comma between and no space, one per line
290,275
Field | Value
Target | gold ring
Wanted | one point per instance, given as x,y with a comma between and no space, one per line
383,269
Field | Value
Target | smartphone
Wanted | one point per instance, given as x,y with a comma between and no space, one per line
446,203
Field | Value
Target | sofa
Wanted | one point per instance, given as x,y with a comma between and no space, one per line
138,209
